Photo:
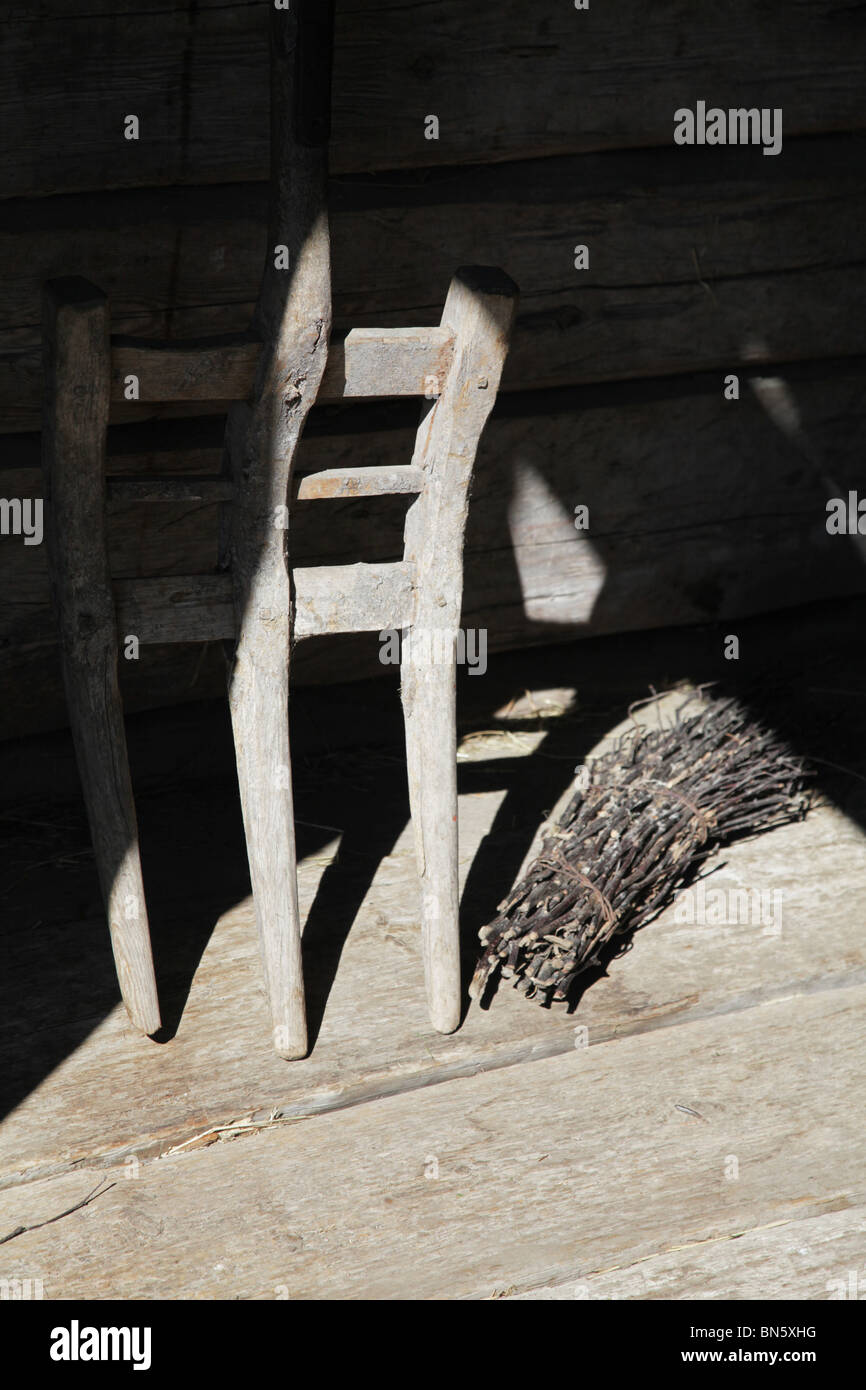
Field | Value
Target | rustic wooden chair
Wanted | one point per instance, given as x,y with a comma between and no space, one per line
256,601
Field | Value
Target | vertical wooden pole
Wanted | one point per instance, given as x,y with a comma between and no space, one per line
77,382
479,310
293,317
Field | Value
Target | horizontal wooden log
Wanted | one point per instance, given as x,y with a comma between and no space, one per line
541,79
698,259
359,482
700,510
328,598
368,362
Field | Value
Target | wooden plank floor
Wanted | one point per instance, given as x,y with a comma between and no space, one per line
558,1169
708,1142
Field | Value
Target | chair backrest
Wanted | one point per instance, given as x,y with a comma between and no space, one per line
432,363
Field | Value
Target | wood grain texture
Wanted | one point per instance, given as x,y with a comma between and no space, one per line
186,608
359,482
805,1259
546,80
76,420
353,598
696,262
479,310
327,599
367,362
556,1169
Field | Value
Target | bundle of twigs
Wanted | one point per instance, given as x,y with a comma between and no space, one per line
656,804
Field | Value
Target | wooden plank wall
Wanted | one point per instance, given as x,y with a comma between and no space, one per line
703,261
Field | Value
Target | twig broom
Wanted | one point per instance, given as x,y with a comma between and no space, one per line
656,804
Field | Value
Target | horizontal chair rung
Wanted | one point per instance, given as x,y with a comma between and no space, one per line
369,362
169,489
328,598
360,482
330,482
195,608
353,598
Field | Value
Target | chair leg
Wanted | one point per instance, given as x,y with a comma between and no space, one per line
259,704
293,315
479,310
77,366
258,697
428,692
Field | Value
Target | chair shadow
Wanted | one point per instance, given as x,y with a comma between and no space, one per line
368,839
58,985
372,821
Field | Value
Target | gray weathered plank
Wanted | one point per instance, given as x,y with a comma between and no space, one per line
559,1168
364,597
809,1259
336,483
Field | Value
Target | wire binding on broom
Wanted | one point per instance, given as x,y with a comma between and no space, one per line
657,803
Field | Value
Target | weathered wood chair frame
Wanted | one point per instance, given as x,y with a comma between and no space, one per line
256,601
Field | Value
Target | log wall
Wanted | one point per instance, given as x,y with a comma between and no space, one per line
703,262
